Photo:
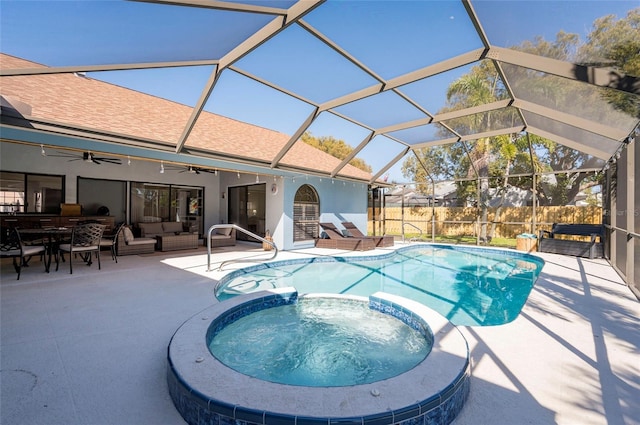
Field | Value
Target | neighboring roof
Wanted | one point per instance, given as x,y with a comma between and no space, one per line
74,99
381,67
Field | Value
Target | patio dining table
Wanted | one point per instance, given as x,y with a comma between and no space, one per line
51,237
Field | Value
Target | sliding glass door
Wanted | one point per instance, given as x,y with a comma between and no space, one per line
151,202
247,209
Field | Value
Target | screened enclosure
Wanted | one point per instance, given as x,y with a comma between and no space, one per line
495,127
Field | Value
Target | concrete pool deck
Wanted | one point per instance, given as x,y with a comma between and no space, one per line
90,348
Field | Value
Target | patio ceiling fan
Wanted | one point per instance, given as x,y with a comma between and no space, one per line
89,157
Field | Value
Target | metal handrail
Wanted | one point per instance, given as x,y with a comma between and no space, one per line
629,233
415,227
239,260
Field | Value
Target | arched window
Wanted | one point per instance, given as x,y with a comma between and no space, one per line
306,214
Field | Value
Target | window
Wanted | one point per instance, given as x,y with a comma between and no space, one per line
31,193
151,202
101,196
306,214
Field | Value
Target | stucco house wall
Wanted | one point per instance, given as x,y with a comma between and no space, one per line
339,200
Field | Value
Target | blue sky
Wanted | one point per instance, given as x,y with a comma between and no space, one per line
388,39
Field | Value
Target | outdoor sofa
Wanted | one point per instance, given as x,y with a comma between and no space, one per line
170,235
223,237
127,244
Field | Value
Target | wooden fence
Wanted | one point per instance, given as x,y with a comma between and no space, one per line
508,222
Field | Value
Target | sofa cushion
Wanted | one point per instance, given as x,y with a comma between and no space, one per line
128,234
224,231
142,241
172,227
151,229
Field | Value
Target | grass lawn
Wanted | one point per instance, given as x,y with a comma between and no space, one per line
465,240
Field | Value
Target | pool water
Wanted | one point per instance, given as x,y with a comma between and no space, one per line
320,342
469,286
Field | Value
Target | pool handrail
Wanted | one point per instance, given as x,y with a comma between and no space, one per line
415,227
239,260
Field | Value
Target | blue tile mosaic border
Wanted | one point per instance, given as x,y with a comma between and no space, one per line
199,409
242,310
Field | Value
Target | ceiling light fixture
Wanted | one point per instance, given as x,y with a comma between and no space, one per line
42,152
238,174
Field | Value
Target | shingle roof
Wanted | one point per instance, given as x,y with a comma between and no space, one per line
79,101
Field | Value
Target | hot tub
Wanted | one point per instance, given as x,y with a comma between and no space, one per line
206,391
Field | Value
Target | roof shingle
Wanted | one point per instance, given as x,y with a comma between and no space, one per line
80,101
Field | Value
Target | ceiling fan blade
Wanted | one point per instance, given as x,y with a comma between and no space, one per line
64,155
109,160
88,157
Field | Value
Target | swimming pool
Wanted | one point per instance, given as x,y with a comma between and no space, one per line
468,285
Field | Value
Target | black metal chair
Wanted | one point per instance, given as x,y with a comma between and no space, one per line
11,246
85,240
110,241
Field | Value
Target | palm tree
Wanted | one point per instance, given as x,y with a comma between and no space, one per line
479,87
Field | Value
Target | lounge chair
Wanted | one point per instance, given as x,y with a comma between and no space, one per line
336,240
381,241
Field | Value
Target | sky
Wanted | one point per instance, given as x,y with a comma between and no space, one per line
388,39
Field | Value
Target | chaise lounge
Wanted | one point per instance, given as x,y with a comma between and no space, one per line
336,240
380,241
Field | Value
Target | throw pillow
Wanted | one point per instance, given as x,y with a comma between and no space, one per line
128,235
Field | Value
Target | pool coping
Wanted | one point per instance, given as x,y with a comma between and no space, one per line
205,391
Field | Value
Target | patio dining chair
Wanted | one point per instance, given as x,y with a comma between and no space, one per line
85,240
110,241
11,246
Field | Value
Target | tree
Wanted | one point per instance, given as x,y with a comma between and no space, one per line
617,42
336,148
